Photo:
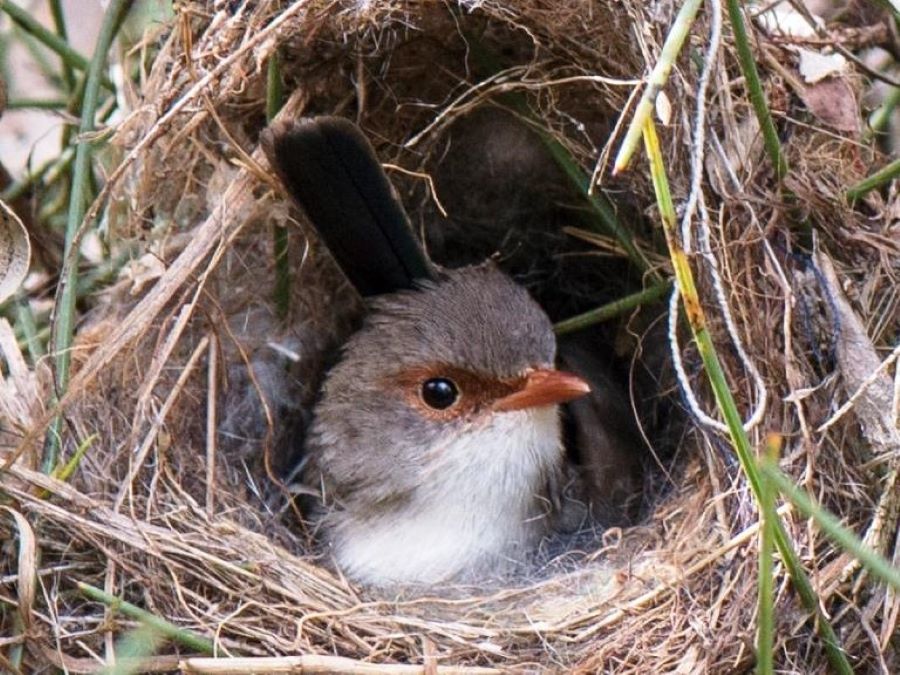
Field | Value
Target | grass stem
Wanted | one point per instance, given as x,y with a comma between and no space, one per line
169,630
843,537
876,180
59,23
49,39
754,88
611,309
765,622
725,401
879,119
36,103
64,323
25,321
656,81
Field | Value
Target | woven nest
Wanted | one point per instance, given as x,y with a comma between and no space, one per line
166,514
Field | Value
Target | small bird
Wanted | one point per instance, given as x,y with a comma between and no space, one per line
436,443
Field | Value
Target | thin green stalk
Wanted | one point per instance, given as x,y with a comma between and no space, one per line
879,119
17,651
49,39
754,88
876,180
843,537
274,88
611,309
59,23
657,80
33,339
725,400
36,103
765,629
600,207
64,324
169,630
41,337
274,101
38,53
65,471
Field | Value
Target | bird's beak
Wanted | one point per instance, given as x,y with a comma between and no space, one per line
544,387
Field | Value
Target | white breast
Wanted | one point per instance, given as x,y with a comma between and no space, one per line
477,510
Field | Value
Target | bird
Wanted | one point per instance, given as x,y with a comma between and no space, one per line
436,447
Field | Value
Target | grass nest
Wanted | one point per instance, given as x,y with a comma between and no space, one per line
167,514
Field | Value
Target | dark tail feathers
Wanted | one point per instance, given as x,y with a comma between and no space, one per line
329,167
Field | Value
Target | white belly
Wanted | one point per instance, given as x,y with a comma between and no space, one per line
478,512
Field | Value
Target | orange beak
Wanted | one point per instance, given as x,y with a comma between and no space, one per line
544,387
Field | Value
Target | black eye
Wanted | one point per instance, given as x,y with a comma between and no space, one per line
439,393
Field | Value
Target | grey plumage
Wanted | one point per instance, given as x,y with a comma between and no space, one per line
474,317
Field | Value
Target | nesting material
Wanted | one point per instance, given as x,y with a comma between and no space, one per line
174,508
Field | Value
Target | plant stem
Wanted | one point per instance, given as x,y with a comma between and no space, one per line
25,320
843,537
879,119
20,187
724,399
64,323
36,103
598,204
49,39
876,180
754,88
765,630
611,309
180,635
59,23
657,80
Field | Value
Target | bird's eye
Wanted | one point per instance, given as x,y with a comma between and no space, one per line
439,393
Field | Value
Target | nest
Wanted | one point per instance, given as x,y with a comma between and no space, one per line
165,514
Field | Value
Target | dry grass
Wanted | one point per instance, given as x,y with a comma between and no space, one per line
163,514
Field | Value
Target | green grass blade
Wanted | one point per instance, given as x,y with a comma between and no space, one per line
49,39
600,208
878,120
59,23
832,527
611,309
754,89
657,80
26,322
765,629
168,630
36,104
725,401
64,324
876,180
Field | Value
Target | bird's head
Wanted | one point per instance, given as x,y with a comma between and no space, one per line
448,375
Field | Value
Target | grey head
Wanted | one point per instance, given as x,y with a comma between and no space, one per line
472,326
